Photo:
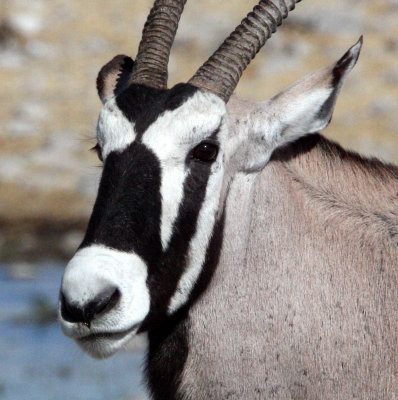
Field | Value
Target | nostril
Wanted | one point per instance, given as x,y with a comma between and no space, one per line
101,304
71,312
104,302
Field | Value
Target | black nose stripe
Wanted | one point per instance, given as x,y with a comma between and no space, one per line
126,214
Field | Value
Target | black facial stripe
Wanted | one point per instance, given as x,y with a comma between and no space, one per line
164,277
195,188
143,105
168,344
127,211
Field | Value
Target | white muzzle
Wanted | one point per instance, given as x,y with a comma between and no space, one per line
104,299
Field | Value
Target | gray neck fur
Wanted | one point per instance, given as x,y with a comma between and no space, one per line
303,302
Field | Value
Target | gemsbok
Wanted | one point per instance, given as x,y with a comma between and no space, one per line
260,257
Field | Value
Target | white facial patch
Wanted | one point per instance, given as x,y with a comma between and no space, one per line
114,131
89,272
171,137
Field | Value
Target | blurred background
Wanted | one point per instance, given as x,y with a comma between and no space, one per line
50,54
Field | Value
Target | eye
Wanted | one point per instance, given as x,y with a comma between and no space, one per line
97,149
205,152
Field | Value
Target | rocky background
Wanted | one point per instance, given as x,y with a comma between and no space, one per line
51,52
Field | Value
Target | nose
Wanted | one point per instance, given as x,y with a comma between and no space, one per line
101,304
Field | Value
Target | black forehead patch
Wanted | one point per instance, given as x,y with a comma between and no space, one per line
143,105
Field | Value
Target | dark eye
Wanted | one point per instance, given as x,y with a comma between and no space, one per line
97,149
205,151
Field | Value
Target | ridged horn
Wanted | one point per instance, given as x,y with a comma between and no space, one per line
221,72
150,67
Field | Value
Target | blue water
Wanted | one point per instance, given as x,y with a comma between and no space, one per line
38,363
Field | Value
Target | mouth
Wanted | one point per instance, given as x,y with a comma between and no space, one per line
109,335
105,344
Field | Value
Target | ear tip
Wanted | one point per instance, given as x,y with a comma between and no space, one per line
350,58
124,61
355,50
358,45
114,76
120,61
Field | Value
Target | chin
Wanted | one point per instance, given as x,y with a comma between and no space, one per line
105,345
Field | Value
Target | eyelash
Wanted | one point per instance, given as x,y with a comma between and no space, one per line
97,149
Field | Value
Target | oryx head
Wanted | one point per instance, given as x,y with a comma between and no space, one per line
168,155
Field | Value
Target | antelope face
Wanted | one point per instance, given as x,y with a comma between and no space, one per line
163,152
154,216
168,154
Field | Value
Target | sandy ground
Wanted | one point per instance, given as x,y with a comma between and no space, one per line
51,52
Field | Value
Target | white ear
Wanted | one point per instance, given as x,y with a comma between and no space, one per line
303,108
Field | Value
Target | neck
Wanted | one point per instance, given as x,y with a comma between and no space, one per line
342,189
298,251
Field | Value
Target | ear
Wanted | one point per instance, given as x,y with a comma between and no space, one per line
303,108
114,77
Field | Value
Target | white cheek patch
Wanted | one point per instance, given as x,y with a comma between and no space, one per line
171,137
95,268
114,131
172,192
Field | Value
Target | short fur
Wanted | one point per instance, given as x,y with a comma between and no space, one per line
265,281
303,301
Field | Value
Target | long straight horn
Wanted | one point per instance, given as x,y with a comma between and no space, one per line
221,72
150,67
